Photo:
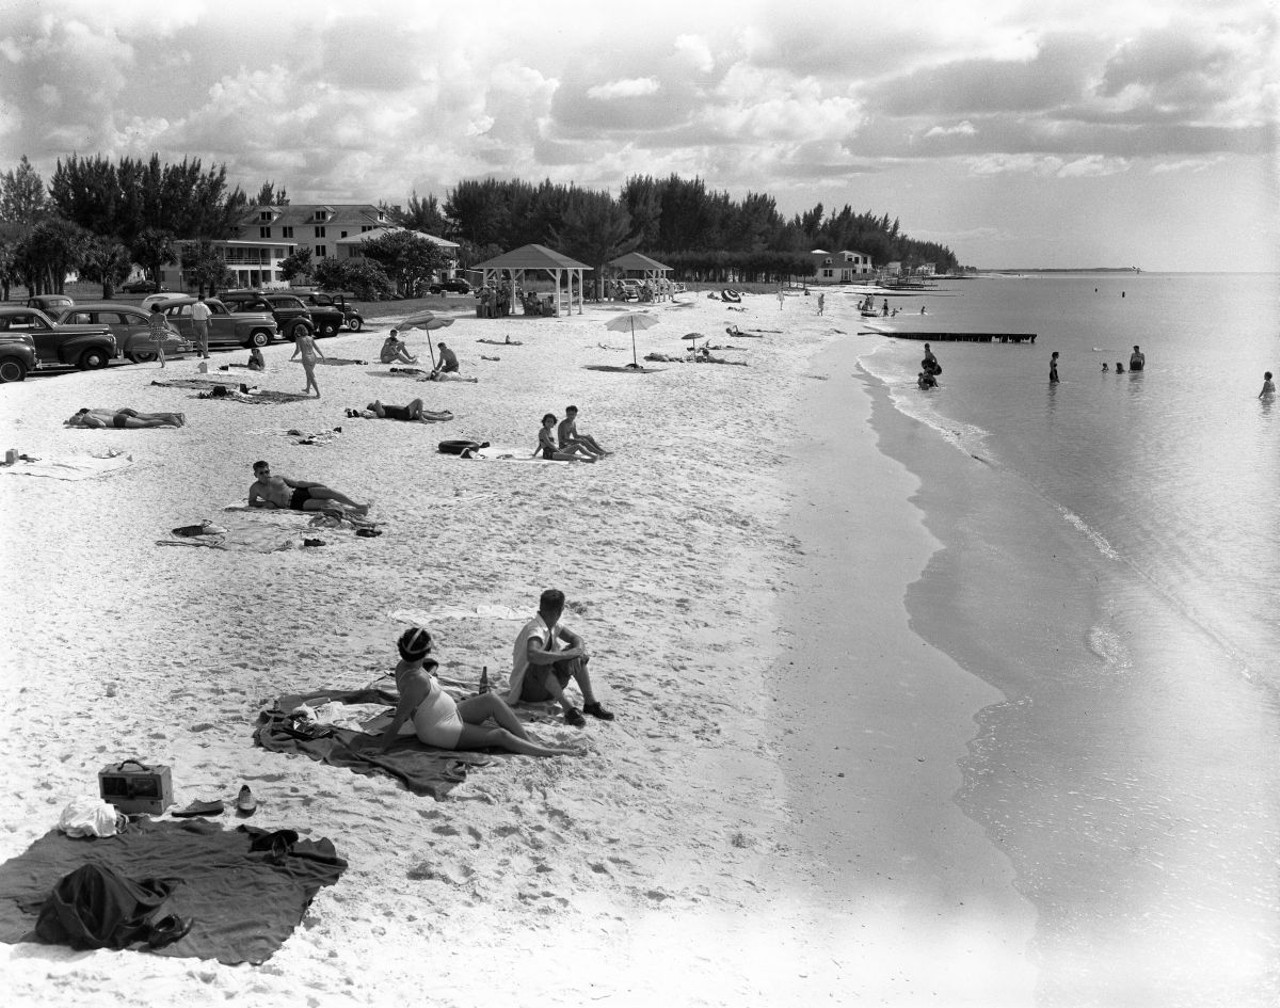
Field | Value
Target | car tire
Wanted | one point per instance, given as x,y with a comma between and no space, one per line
329,329
12,369
299,329
259,338
93,359
142,357
355,324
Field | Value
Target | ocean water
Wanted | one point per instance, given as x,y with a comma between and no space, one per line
1110,551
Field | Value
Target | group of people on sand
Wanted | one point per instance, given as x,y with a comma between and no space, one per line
124,418
546,657
567,444
396,351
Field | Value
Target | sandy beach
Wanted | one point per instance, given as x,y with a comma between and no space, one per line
769,821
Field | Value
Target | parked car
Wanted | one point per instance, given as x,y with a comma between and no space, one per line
351,316
246,329
456,285
291,315
129,325
86,347
159,298
49,303
142,287
17,356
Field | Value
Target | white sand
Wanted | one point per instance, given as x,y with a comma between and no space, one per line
666,865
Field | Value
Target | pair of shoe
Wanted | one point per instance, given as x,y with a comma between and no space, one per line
574,717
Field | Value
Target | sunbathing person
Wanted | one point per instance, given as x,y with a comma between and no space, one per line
567,434
394,350
125,419
440,721
383,412
286,494
548,449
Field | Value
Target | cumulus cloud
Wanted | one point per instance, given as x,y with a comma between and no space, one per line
964,128
634,87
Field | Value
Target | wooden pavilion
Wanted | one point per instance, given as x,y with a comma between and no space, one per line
518,263
640,267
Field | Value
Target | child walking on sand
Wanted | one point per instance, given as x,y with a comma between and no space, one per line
306,345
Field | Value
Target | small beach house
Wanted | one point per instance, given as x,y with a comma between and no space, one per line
847,266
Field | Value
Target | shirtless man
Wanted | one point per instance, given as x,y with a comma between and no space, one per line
394,350
267,491
1137,360
448,360
384,412
125,419
568,437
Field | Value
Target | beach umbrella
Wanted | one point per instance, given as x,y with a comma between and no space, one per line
426,320
630,322
694,337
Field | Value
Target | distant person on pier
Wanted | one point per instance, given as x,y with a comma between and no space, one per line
1053,368
1268,387
1137,359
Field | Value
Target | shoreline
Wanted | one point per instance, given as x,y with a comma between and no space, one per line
669,841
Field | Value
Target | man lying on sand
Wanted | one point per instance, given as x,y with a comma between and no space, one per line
125,419
440,721
383,412
568,436
280,492
541,669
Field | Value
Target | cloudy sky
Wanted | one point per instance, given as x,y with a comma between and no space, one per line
1052,133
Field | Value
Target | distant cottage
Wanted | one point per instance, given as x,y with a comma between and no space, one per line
839,267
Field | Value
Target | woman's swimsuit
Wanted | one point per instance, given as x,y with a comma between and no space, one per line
436,720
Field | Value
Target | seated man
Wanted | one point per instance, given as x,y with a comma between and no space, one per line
448,361
541,667
383,412
394,349
547,446
568,436
280,492
125,419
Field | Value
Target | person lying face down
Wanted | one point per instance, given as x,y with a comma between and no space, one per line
124,419
479,722
268,491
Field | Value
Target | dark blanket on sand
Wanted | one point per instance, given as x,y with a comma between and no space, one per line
422,769
244,902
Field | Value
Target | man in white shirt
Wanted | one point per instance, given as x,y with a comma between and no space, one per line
200,314
542,667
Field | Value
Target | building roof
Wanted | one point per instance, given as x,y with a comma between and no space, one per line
532,257
304,214
637,260
379,232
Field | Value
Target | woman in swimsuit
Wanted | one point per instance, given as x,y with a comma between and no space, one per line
306,345
548,449
439,721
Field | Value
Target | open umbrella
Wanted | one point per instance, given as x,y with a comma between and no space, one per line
631,321
426,320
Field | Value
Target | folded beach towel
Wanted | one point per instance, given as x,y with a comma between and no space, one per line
244,890
422,769
78,468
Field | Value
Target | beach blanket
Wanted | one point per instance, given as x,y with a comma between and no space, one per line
197,383
78,468
498,342
246,536
420,768
288,518
492,453
245,890
255,397
339,361
302,437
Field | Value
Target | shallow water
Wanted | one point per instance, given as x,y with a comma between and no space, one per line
1110,544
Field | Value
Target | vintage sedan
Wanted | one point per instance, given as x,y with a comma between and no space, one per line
17,356
242,329
292,317
49,303
130,326
351,316
86,347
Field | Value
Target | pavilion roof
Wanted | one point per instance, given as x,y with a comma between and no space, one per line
637,261
532,257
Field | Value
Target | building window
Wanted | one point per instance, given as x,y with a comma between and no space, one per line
826,262
826,273
320,215
264,232
319,232
344,234
365,227
279,253
286,232
320,252
265,216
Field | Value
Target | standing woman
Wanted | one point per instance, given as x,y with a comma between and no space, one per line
159,326
306,345
439,721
